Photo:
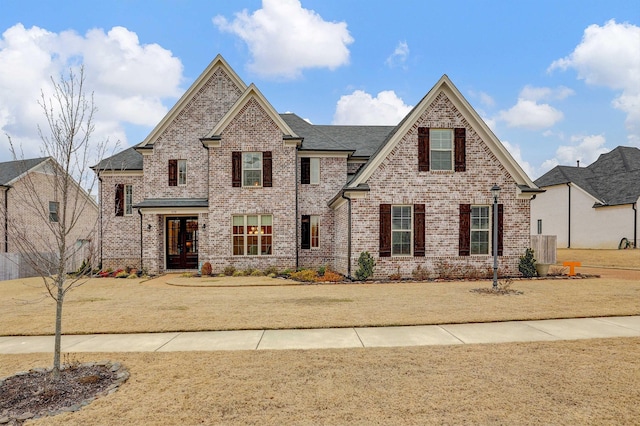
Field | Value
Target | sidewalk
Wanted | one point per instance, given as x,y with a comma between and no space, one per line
358,337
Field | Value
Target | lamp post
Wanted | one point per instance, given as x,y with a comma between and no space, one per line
495,192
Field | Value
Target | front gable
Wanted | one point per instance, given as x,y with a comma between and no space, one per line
443,107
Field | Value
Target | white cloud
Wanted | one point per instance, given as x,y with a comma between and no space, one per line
529,114
609,56
399,55
284,38
362,108
585,149
128,80
515,152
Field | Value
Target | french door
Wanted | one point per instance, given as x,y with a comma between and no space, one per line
182,242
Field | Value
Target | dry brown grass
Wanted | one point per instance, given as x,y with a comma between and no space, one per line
576,382
628,259
109,305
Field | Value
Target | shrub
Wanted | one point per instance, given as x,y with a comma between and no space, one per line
321,270
256,273
527,265
122,274
397,276
248,271
331,276
420,273
206,269
306,275
237,273
229,270
187,275
271,270
366,264
446,270
132,276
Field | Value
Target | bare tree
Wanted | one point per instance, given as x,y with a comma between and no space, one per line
66,181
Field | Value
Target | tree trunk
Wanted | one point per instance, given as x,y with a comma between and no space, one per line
55,372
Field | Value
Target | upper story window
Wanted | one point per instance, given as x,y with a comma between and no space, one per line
177,172
54,208
182,172
252,169
310,170
441,145
442,149
128,200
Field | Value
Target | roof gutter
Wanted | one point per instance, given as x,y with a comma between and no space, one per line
635,225
569,217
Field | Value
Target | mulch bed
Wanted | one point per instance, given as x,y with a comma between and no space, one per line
35,393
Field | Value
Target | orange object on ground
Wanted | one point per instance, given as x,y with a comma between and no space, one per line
572,266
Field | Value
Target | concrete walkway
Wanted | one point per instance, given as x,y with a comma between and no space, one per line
357,337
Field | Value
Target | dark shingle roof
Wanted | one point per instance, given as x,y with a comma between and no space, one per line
173,202
613,179
361,140
129,159
12,169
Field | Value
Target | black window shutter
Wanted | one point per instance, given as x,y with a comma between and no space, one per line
305,170
236,166
460,142
464,247
119,199
266,169
423,149
500,225
385,230
173,172
418,229
305,230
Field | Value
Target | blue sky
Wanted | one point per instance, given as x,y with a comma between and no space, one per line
557,81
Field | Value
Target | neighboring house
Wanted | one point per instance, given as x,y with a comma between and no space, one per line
224,178
29,219
591,207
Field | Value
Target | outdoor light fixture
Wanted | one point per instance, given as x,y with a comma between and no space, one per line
495,192
149,227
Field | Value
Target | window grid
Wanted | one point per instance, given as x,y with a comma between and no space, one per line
441,146
182,172
54,207
480,229
401,230
252,169
315,231
128,200
252,235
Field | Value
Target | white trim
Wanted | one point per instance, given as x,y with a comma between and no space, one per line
325,154
218,62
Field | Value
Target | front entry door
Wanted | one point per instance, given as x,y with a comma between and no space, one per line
182,242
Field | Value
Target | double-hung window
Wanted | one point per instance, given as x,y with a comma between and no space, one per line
441,145
182,172
252,169
401,230
252,235
128,200
480,229
177,172
54,208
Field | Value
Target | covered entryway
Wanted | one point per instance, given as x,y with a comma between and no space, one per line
182,242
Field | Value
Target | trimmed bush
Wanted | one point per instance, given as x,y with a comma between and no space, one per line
206,269
366,264
527,265
306,275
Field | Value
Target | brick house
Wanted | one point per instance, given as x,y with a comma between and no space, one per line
224,178
31,211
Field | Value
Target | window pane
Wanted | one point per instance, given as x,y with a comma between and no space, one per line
440,139
401,243
315,170
479,242
266,245
480,217
315,231
441,160
173,229
401,217
53,211
252,245
128,199
252,178
182,172
238,245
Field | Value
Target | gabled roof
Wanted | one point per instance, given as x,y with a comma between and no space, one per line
129,159
251,92
444,85
188,95
10,171
613,179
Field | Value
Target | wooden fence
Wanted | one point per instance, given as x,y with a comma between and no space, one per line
544,248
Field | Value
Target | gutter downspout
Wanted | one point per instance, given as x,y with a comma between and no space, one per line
348,235
297,210
141,265
569,217
101,206
6,218
635,225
